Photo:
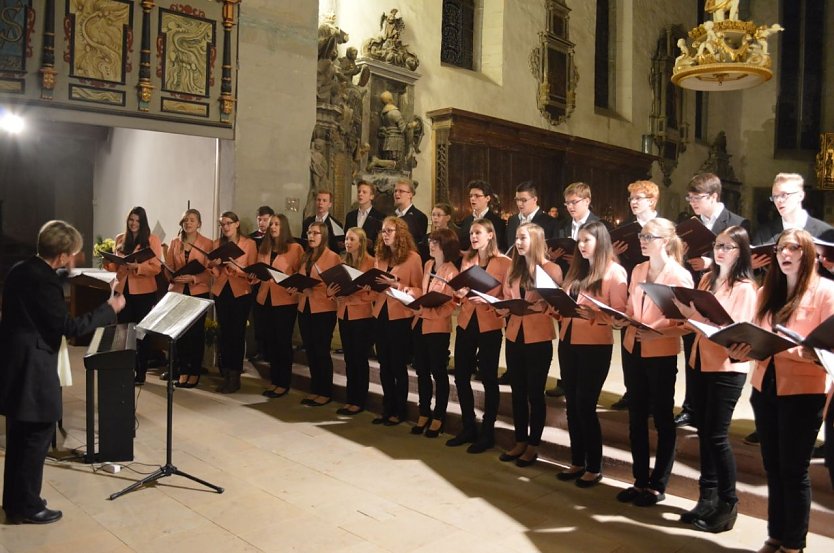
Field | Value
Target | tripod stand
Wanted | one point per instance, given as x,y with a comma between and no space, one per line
168,469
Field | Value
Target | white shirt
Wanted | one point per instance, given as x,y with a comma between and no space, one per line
651,215
710,222
801,221
574,225
361,216
400,212
480,215
322,218
529,218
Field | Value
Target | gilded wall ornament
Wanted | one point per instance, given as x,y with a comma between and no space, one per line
99,30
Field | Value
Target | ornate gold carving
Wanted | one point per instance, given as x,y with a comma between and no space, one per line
187,42
13,86
48,77
98,38
825,162
186,108
85,94
145,95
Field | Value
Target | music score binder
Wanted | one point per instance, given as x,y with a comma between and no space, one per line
628,234
517,307
351,280
763,342
706,303
136,257
620,315
432,299
262,271
561,301
223,252
193,267
698,238
474,278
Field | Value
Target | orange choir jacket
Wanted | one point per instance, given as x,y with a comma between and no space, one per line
143,280
175,258
795,374
237,279
359,304
319,302
410,275
614,292
437,320
537,327
288,263
641,308
740,303
488,319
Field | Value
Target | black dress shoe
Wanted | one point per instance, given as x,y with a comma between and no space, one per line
566,475
648,498
164,376
684,418
420,428
508,457
752,438
526,462
628,495
308,402
620,404
580,483
45,516
504,378
347,412
379,420
467,435
314,403
434,433
558,391
392,421
272,394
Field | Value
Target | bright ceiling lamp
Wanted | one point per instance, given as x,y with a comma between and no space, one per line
11,123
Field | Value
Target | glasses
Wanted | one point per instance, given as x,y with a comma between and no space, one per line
572,203
792,248
783,196
522,200
313,232
724,247
226,223
402,191
388,230
473,195
647,237
637,198
696,197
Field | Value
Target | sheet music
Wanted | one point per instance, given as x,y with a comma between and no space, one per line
98,274
173,315
487,297
398,295
826,360
337,230
543,279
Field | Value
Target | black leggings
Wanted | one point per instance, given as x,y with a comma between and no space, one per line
277,324
528,365
482,349
431,359
393,348
357,337
232,313
317,333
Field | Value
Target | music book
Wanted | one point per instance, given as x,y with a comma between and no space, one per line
543,280
517,307
264,272
89,276
697,237
821,337
368,278
763,249
343,276
223,252
763,342
432,299
296,280
560,300
628,233
474,278
193,267
707,305
136,257
619,314
567,244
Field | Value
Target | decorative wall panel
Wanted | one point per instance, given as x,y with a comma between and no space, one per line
16,22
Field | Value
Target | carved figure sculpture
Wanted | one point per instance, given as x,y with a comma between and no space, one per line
388,46
685,58
708,42
318,167
763,32
719,7
391,129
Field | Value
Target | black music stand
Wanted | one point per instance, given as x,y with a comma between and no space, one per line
170,318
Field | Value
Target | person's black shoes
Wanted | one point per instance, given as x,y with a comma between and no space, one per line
684,418
752,438
46,516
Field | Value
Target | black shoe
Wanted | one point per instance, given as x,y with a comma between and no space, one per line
347,412
558,391
485,441
434,433
707,502
819,452
164,376
684,418
566,475
467,435
504,378
722,519
620,404
379,420
526,462
508,457
272,394
628,495
648,498
419,429
580,483
139,380
392,421
45,516
752,438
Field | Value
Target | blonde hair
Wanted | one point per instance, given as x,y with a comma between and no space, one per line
523,267
57,237
665,229
579,189
349,259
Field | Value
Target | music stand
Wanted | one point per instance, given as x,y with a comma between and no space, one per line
170,318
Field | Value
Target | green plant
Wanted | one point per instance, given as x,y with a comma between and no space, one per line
212,331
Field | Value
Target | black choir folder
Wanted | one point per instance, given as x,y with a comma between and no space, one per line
350,280
517,306
223,252
136,257
698,238
628,234
620,315
663,296
560,300
432,299
763,342
193,267
262,271
474,278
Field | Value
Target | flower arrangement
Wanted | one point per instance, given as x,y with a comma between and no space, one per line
212,331
107,245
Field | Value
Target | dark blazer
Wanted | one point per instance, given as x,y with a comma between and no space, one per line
497,222
417,225
258,237
728,219
35,317
541,218
815,227
335,243
371,226
564,230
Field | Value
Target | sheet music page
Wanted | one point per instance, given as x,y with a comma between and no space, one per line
543,279
352,273
487,297
401,296
173,315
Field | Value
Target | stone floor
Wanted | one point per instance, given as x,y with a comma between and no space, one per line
303,479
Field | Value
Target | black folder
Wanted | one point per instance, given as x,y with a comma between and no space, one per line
567,244
560,300
193,267
697,237
262,271
517,307
368,278
763,342
343,276
296,280
628,233
821,337
763,249
224,252
136,257
620,315
706,303
432,299
474,278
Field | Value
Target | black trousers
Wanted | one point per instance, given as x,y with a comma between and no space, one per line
528,365
474,348
829,443
584,370
393,348
650,382
260,321
277,325
787,427
136,307
431,359
232,313
27,444
714,397
191,345
688,403
357,337
316,334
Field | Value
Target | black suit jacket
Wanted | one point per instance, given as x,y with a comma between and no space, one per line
371,226
35,317
565,229
815,227
417,224
497,222
541,218
728,219
335,243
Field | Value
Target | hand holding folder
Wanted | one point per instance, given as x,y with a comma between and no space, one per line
193,267
607,309
696,236
664,296
474,278
136,257
518,307
352,280
432,299
224,252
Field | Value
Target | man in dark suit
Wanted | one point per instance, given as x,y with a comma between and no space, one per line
527,201
787,194
578,205
336,238
480,198
415,219
366,216
34,319
265,213
257,346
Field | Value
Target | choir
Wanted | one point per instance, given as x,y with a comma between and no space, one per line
790,387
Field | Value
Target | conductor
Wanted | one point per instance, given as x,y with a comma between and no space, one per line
34,319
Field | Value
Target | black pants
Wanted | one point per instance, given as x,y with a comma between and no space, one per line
431,359
136,307
688,403
829,443
482,349
584,370
191,345
650,382
393,347
232,313
316,334
277,326
787,427
260,321
528,365
27,444
357,337
714,397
